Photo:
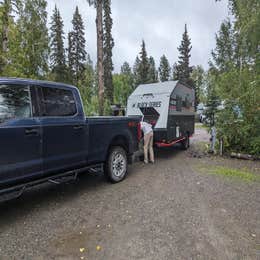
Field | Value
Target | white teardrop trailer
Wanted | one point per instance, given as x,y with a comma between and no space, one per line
169,107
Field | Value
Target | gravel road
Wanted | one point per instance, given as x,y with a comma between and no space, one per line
170,210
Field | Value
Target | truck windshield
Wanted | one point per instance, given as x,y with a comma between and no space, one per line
14,102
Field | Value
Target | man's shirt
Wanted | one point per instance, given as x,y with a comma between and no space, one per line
146,128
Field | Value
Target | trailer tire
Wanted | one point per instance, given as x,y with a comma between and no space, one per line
116,164
186,143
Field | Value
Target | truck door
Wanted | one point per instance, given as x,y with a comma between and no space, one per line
64,130
20,134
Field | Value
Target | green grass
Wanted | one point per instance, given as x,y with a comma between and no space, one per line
202,146
241,174
201,126
232,173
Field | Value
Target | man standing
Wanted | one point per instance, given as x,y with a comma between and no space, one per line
148,141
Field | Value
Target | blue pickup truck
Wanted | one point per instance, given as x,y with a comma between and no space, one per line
44,135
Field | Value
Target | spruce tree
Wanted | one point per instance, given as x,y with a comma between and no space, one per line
213,100
57,51
70,58
153,73
144,65
164,69
198,77
225,53
108,46
126,69
128,75
183,68
77,53
136,69
175,71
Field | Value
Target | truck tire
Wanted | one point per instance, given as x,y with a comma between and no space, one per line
116,164
186,143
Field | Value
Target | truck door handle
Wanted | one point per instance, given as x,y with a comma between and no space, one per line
77,127
31,131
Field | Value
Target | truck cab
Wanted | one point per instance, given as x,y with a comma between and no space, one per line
44,132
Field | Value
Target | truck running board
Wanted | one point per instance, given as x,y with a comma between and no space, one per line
16,191
65,178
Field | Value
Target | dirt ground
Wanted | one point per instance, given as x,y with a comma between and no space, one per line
170,210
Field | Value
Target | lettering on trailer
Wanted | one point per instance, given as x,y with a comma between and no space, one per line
148,104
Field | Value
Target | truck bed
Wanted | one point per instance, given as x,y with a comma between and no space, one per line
104,129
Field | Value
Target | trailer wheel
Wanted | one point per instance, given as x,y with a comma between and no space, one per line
116,164
186,143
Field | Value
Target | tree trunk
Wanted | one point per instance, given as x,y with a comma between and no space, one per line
5,37
6,13
5,31
244,156
99,24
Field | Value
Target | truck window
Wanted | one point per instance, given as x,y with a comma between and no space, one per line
15,102
58,102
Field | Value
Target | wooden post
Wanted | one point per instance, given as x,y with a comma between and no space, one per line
221,146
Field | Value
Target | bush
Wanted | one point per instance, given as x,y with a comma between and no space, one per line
254,146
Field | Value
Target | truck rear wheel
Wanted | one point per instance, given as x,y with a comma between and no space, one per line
116,164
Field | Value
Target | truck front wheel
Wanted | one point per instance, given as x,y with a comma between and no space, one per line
116,164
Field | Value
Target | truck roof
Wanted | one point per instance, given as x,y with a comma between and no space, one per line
4,80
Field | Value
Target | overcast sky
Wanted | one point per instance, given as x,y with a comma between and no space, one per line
159,22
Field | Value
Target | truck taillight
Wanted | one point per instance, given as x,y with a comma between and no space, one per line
139,132
131,124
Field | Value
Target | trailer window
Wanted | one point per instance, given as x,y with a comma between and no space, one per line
178,103
15,102
58,102
187,102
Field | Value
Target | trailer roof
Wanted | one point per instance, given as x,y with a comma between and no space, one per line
166,87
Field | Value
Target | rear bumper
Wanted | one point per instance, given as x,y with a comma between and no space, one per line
162,144
160,135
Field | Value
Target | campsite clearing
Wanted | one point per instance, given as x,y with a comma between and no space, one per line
171,210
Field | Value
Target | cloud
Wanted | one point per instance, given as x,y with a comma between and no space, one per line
159,23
